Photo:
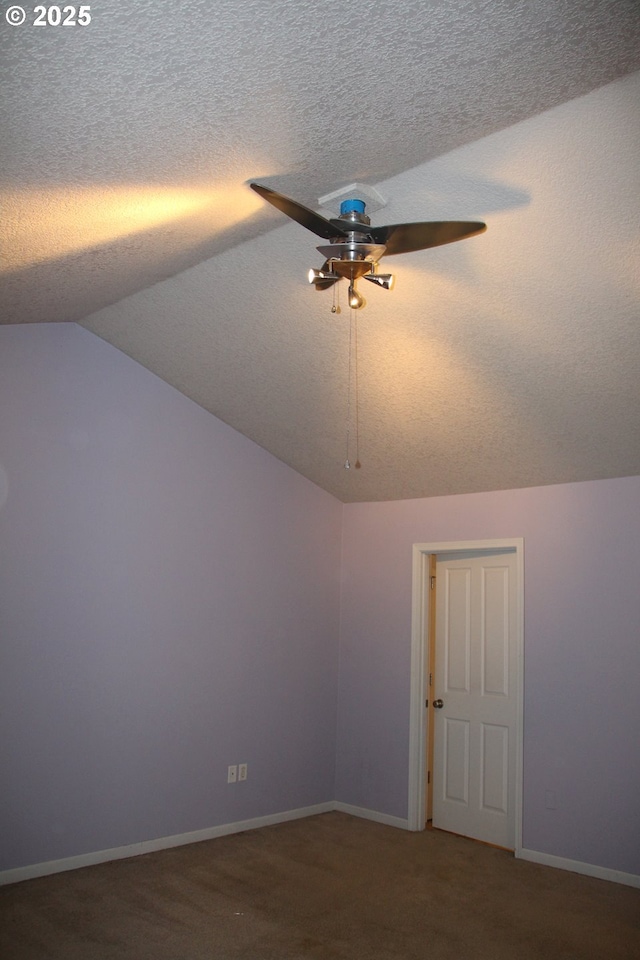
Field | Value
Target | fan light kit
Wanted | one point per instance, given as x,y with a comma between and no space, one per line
355,247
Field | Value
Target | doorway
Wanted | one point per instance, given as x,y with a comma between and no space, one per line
489,739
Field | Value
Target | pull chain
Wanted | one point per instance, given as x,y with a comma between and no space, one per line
335,307
355,312
347,462
353,377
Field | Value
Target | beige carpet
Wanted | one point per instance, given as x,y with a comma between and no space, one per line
327,887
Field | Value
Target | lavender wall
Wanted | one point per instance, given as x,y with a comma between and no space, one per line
582,656
168,606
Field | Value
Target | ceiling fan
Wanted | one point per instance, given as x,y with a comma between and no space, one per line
355,247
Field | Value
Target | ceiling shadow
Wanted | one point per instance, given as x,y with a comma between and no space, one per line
71,286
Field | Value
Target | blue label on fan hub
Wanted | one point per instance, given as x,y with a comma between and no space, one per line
352,206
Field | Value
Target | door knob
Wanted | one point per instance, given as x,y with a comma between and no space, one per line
438,704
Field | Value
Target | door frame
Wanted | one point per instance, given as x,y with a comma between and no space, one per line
420,664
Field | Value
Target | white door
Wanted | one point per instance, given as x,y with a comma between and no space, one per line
476,682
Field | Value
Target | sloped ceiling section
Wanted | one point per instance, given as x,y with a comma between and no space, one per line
508,360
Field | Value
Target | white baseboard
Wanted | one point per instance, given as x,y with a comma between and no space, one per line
210,833
365,814
576,866
161,843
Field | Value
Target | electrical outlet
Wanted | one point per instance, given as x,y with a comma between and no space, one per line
232,773
242,771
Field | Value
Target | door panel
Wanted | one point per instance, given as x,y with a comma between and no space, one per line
456,758
457,631
494,767
475,676
495,632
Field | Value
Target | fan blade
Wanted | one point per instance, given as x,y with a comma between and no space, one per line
406,237
302,215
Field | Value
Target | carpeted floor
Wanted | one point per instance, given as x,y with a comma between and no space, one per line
328,887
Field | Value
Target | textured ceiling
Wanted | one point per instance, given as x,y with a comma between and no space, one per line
507,360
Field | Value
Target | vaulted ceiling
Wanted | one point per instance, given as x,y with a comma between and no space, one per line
509,359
